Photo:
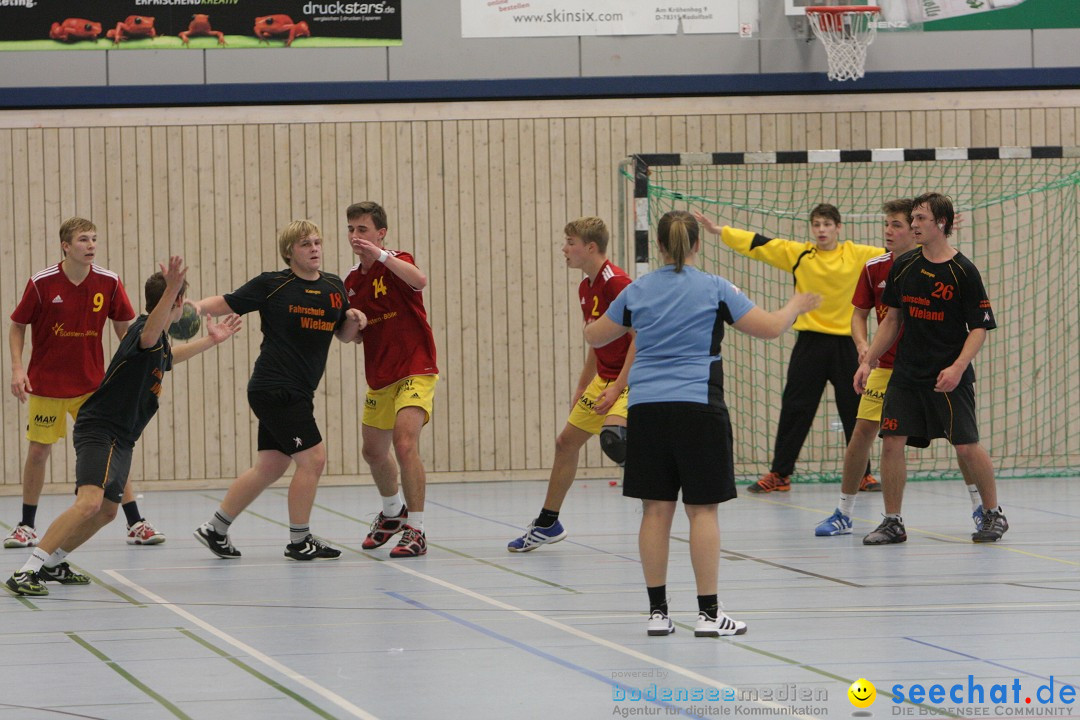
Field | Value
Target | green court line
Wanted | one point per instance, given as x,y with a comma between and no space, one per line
128,676
258,675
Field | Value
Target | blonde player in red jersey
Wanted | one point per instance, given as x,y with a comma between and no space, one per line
399,362
599,400
66,306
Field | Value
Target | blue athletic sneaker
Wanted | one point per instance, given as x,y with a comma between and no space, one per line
534,537
978,516
836,524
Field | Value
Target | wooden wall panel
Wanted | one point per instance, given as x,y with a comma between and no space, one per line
479,193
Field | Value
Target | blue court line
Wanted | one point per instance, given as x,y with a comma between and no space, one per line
521,529
671,709
990,662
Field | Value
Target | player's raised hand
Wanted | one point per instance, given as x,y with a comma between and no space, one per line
707,223
175,273
224,329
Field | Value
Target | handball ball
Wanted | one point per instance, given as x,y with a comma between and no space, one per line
187,326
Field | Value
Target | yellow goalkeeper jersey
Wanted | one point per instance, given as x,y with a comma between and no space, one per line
830,273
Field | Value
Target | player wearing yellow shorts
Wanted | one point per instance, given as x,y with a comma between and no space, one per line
399,365
599,400
66,307
868,290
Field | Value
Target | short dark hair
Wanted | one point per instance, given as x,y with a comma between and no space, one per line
155,288
900,206
941,206
827,211
368,207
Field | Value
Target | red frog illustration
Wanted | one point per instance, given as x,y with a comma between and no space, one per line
134,27
200,27
74,29
274,26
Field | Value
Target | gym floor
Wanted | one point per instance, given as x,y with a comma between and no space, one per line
472,631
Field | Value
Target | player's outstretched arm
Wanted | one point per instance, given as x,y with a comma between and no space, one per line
20,383
603,330
159,316
768,325
355,322
212,306
216,333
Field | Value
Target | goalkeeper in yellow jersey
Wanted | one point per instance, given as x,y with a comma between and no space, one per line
824,351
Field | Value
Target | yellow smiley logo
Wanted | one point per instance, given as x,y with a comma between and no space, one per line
862,693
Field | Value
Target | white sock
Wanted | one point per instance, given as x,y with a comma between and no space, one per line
894,515
392,506
298,533
847,504
416,521
973,493
56,558
37,559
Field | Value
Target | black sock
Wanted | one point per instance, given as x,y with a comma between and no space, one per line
708,604
657,599
547,518
29,515
131,512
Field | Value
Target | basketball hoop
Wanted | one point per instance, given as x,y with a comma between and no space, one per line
845,31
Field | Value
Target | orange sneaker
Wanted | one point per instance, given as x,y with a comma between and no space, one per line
771,482
869,483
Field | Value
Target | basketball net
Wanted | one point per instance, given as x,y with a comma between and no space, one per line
845,31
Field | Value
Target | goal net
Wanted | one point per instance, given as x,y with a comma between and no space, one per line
1019,226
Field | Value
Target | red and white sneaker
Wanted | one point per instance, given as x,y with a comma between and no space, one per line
143,533
412,544
23,536
383,528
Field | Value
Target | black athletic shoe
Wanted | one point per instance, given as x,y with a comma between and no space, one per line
218,544
63,574
26,583
993,527
311,548
891,530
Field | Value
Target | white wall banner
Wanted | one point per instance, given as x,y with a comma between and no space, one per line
547,18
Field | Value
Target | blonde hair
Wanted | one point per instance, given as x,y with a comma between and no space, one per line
293,232
678,234
589,230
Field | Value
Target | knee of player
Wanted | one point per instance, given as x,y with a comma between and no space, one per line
313,459
88,505
613,442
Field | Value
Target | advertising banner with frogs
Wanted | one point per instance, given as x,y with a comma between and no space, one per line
197,24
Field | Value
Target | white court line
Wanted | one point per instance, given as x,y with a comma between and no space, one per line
690,674
265,659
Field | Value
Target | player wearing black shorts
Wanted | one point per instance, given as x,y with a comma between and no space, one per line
300,308
938,296
111,422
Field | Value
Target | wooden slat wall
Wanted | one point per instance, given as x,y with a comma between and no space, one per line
479,193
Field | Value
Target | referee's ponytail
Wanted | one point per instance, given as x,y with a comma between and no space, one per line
678,236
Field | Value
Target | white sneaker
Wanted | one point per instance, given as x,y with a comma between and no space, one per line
717,626
660,624
143,533
22,536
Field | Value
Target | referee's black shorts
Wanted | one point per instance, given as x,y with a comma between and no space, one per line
679,445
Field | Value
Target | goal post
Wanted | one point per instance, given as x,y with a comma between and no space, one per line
1019,224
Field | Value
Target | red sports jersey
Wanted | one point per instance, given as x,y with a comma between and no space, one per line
595,298
868,292
66,321
397,341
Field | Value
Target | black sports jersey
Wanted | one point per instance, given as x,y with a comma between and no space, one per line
298,318
941,303
127,398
